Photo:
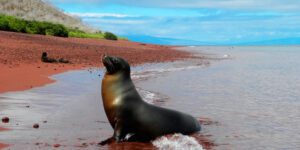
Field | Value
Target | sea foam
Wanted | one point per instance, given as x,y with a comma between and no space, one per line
177,142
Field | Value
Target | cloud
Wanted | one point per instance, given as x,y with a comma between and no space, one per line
97,15
279,5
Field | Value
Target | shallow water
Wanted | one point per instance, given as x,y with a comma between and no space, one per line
252,98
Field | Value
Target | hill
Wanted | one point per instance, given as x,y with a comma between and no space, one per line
40,10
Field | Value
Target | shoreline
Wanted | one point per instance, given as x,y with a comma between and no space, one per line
21,68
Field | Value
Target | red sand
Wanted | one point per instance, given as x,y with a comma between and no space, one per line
21,68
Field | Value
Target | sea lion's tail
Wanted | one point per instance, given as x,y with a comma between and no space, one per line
197,125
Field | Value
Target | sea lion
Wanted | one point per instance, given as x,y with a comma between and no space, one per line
132,118
46,59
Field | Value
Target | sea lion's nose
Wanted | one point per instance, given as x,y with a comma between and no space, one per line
104,56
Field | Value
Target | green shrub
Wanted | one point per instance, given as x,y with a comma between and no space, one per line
81,34
50,32
17,25
34,28
3,23
110,36
57,30
10,23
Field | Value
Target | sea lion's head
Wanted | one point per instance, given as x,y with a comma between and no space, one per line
44,55
116,65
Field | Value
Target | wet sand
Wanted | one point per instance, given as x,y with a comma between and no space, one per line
27,76
2,145
3,129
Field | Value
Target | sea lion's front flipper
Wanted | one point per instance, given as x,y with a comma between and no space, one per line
107,141
128,136
119,133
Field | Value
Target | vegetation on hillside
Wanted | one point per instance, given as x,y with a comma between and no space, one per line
41,17
10,23
41,10
14,24
82,34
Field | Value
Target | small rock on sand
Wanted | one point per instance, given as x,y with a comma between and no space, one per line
5,120
56,145
36,126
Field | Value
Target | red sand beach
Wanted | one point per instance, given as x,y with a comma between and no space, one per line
21,67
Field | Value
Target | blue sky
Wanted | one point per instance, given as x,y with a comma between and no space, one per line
206,21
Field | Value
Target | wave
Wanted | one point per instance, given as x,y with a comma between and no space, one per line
140,75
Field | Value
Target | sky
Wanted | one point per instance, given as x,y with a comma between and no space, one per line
199,21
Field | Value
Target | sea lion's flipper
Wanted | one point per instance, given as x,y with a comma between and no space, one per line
129,136
119,132
62,60
107,141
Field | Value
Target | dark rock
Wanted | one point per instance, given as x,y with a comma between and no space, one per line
56,145
5,120
36,126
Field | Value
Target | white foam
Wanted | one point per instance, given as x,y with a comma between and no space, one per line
177,142
154,72
174,69
148,96
226,55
